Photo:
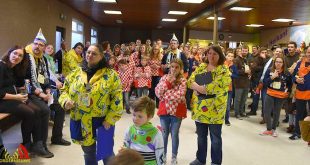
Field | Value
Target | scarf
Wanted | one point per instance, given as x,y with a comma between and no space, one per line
303,70
37,67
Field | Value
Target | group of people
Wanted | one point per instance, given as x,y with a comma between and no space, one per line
95,84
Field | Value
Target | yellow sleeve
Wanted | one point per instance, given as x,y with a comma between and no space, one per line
221,82
65,91
116,104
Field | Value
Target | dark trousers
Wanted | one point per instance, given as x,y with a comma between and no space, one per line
189,95
216,142
24,112
273,107
90,155
42,116
229,99
59,119
301,113
155,81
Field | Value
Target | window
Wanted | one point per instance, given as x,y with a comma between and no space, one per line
233,45
77,32
93,35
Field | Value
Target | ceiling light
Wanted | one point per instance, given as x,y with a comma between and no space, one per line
112,12
169,20
190,1
241,8
105,1
254,25
177,12
218,18
283,20
119,21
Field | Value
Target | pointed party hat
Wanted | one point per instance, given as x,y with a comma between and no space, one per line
174,38
40,37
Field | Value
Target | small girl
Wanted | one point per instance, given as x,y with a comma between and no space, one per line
279,85
171,91
143,78
229,63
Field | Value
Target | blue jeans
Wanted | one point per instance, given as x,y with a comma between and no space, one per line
216,142
171,124
126,100
90,155
229,99
142,91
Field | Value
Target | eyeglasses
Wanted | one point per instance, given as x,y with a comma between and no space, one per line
92,53
38,44
280,62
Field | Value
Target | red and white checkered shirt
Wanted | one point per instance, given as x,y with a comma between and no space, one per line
126,76
155,70
171,94
143,76
135,57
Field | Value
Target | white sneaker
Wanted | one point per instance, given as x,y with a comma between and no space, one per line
174,161
274,133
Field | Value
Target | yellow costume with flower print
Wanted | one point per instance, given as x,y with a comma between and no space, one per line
103,99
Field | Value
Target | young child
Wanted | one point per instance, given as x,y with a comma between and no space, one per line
230,64
127,157
125,74
113,63
171,91
143,77
142,136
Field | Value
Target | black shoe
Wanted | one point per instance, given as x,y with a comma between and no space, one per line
251,113
227,123
62,142
285,120
39,150
294,137
238,117
128,111
243,115
48,151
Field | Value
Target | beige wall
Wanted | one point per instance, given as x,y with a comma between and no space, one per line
274,36
207,35
21,19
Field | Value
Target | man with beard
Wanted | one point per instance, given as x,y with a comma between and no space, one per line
172,54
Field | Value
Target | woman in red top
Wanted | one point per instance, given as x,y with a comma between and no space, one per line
171,91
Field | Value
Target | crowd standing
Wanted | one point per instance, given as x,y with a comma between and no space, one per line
96,85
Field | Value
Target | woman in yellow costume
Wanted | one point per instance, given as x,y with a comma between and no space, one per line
72,59
210,82
93,94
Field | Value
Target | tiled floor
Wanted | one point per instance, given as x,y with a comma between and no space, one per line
242,145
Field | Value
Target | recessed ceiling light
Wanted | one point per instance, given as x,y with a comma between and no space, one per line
254,25
241,8
119,21
218,18
283,20
177,12
112,12
190,1
105,1
169,20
